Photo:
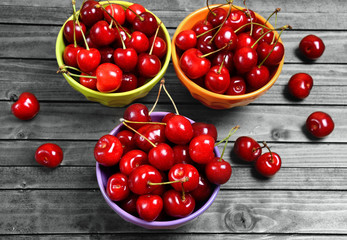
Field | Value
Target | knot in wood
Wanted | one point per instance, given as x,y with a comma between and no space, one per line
239,219
277,134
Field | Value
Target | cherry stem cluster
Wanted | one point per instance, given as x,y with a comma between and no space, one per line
226,139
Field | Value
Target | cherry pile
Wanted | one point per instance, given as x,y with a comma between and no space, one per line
230,52
113,48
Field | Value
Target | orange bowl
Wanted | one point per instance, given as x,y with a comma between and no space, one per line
206,97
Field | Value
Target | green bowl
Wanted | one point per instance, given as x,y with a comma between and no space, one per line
115,99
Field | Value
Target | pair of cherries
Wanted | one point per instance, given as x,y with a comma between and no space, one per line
113,58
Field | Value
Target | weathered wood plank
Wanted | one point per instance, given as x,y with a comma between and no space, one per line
82,212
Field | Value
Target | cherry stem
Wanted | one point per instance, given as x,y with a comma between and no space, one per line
112,9
270,30
74,22
215,51
274,12
186,179
69,67
139,134
74,75
250,17
221,66
141,18
155,36
128,121
84,37
159,91
202,34
210,11
221,25
169,96
183,193
231,132
259,24
273,38
268,148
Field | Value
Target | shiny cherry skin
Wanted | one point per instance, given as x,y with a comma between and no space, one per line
132,160
179,130
125,59
245,59
126,137
88,82
247,149
201,128
201,27
245,40
69,31
275,56
129,204
90,14
26,107
216,16
218,171
109,77
108,150
217,79
129,82
140,178
161,157
102,34
49,155
116,11
193,65
268,164
205,45
149,207
181,154
226,36
136,112
258,32
257,77
153,132
130,15
237,86
88,60
186,39
236,20
139,41
300,85
201,149
146,23
182,172
225,57
123,34
177,206
320,124
117,187
312,47
70,55
106,54
148,66
203,191
167,117
159,46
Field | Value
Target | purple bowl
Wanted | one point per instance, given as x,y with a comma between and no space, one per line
103,173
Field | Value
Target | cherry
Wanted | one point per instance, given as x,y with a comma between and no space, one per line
129,12
124,35
245,59
258,77
217,79
117,187
167,117
49,155
251,18
129,204
205,45
26,107
225,57
108,150
141,177
90,14
132,160
300,85
102,34
161,157
218,171
126,138
69,31
89,42
216,16
320,124
179,130
154,133
186,173
148,65
138,41
146,23
125,59
149,206
70,55
236,20
201,128
129,82
88,60
203,191
273,53
175,205
181,154
87,81
201,149
226,36
136,112
259,31
186,39
237,86
268,164
159,46
117,13
245,40
201,27
193,64
247,149
106,54
312,47
109,77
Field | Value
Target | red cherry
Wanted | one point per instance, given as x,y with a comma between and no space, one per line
236,20
259,31
126,138
167,117
217,79
225,57
129,82
132,160
161,157
181,154
137,8
70,55
186,173
237,86
218,171
26,107
216,16
109,77
108,150
116,11
201,128
258,77
245,59
139,41
122,34
102,34
203,191
186,39
88,60
159,46
87,81
275,57
146,23
247,149
49,155
312,47
193,65
106,54
153,132
89,42
201,27
90,14
148,66
268,164
176,206
69,31
117,187
226,36
125,59
140,178
245,40
201,149
300,85
205,45
136,112
179,130
320,124
129,204
149,206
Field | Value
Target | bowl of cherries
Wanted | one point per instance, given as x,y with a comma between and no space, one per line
113,52
226,55
160,170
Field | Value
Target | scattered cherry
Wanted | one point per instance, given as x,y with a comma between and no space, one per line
312,47
320,124
300,85
49,155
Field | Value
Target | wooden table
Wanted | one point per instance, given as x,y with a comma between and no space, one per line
307,199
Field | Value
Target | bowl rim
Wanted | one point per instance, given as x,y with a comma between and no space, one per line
144,87
154,224
196,87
